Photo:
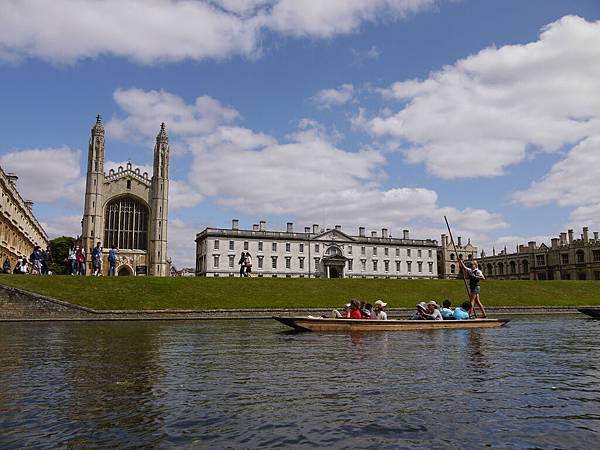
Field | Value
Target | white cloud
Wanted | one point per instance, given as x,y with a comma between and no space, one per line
182,195
327,98
146,110
573,181
324,19
307,177
152,31
493,109
57,226
182,248
47,175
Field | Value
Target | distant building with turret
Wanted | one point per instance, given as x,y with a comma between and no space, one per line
128,209
566,258
449,254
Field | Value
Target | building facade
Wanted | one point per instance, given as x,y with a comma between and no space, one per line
20,231
314,253
566,258
128,209
448,256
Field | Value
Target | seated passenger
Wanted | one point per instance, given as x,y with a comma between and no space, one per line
447,312
433,312
419,313
366,310
462,312
355,310
378,312
345,314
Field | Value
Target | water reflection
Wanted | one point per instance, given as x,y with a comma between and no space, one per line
252,384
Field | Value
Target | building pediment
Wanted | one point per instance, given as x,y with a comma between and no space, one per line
333,235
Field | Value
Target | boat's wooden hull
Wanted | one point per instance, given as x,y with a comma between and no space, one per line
323,324
592,312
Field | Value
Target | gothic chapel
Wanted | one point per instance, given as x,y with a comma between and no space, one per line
127,209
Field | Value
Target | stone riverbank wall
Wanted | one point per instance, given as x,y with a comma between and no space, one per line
19,305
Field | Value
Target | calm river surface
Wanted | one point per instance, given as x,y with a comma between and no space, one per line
534,384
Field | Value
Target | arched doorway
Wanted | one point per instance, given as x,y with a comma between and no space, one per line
334,262
333,272
124,271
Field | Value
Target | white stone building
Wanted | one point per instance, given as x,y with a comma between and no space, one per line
127,208
316,252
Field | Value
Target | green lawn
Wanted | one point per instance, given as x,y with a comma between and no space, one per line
210,293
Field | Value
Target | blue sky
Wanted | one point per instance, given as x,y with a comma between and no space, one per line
380,113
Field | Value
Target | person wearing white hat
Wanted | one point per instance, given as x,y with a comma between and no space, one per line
432,312
345,314
378,312
419,313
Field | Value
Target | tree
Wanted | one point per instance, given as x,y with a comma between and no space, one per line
60,253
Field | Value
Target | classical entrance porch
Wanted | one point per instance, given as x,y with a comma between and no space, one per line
334,266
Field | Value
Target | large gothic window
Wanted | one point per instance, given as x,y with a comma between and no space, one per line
126,224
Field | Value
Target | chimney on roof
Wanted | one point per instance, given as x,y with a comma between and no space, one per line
531,244
563,238
554,242
315,228
570,236
384,233
235,224
405,234
586,234
361,231
12,179
290,227
459,242
307,229
595,235
255,227
373,233
262,225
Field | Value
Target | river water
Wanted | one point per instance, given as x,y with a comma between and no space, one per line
236,383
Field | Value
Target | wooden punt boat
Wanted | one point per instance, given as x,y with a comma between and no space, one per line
325,324
592,312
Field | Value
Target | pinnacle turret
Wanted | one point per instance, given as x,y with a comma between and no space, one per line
98,127
162,134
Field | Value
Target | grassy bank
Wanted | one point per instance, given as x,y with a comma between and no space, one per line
210,293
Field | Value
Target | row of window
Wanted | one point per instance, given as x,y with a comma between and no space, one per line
25,220
317,249
541,261
301,264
